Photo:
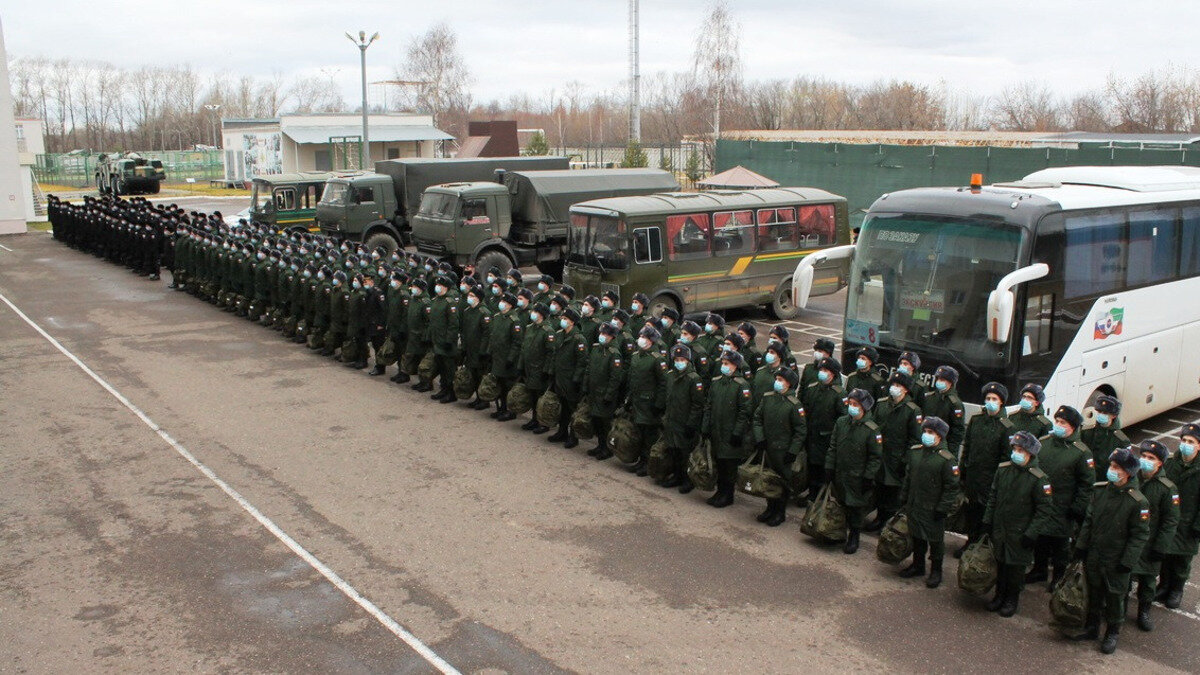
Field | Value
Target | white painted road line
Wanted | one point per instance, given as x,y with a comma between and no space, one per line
388,622
6,248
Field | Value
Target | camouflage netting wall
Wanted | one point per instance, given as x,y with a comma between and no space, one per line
862,173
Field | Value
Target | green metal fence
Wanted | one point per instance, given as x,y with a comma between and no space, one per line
79,169
862,173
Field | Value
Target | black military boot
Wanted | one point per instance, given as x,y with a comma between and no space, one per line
1164,589
1175,597
916,569
605,453
1012,598
685,483
778,517
423,387
400,377
1037,574
876,525
1057,575
528,426
851,545
439,394
450,397
480,404
377,370
767,512
1001,596
1144,620
500,409
558,436
1091,630
935,574
572,441
505,415
596,450
1109,645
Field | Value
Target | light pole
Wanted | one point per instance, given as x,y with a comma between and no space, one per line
213,108
362,43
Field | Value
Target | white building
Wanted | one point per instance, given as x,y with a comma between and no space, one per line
322,142
12,204
31,142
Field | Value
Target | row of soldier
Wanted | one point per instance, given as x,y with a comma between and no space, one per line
882,441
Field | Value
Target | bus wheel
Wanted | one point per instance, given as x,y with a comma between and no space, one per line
663,301
493,258
781,306
380,239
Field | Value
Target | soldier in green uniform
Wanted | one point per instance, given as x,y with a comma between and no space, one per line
1031,417
647,393
1019,508
444,329
710,342
524,303
865,376
374,318
1069,464
1163,496
734,343
356,325
780,428
1184,471
909,363
684,413
534,365
689,333
568,365
319,294
1110,546
398,298
853,460
764,378
339,305
418,343
670,326
726,421
260,304
620,320
943,402
543,293
823,348
639,310
589,325
748,332
930,490
608,304
605,385
505,338
476,328
899,420
1106,435
985,445
779,335
823,402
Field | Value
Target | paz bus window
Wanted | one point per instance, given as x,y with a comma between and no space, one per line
817,226
687,236
647,245
733,233
777,229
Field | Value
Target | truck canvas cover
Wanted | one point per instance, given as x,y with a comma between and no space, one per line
413,175
547,196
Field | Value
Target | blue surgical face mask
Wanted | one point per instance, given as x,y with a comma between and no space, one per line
1059,431
563,323
1113,475
941,385
854,410
710,328
522,303
439,289
928,439
685,339
535,317
543,287
1148,465
495,290
1188,450
681,365
1017,457
905,368
726,369
356,285
667,322
771,358
415,292
606,303
603,339
861,364
1103,419
779,386
636,307
504,306
1026,405
896,391
824,376
472,300
991,406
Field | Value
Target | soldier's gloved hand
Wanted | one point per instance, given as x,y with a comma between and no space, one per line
1122,568
1081,554
1154,556
1027,541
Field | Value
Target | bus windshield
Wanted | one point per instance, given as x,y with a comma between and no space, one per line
598,241
335,193
922,282
260,197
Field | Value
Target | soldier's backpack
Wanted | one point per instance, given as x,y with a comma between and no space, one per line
386,355
623,440
895,543
519,399
701,470
464,383
316,340
302,329
409,363
659,465
581,421
549,408
977,570
957,520
425,369
1068,602
825,520
798,475
757,479
349,351
489,388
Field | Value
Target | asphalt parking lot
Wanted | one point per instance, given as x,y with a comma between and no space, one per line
185,491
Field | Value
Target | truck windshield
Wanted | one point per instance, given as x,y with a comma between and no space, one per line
598,241
335,193
438,204
922,282
260,197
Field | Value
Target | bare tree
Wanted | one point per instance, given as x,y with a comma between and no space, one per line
433,60
717,60
1028,106
1087,112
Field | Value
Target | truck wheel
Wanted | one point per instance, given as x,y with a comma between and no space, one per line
155,187
381,239
120,189
493,258
781,306
553,267
662,301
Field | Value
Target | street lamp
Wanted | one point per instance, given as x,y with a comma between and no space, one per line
362,43
213,108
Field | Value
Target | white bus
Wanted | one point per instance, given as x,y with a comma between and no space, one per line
1085,280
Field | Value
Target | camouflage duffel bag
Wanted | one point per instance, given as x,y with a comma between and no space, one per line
957,520
386,354
464,383
757,479
798,478
1068,602
350,351
316,340
701,470
426,368
581,421
489,388
519,399
549,408
977,570
825,520
409,363
623,440
659,465
895,544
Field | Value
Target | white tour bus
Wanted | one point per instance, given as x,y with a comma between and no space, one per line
1085,280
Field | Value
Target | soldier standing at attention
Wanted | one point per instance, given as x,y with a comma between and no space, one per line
608,305
689,333
339,302
399,296
779,431
909,363
1068,462
476,327
375,320
726,421
930,490
543,294
638,312
1106,435
535,360
356,327
710,342
1031,416
943,402
685,400
1110,546
824,405
568,365
865,376
670,326
605,384
822,349
1019,507
504,347
1163,496
899,420
750,353
984,446
855,453
589,325
1184,471
647,394
419,310
444,327
764,378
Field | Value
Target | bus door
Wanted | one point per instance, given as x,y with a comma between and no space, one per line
733,245
691,269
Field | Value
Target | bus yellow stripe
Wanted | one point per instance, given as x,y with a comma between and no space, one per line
741,265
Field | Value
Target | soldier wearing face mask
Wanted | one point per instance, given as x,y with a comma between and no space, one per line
1031,416
1069,464
647,392
1105,435
985,446
605,384
823,348
1184,471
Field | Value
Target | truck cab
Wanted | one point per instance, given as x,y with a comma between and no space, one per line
458,220
287,201
359,206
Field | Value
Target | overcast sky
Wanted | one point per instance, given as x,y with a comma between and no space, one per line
535,46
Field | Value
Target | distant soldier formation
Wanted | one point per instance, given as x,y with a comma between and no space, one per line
666,391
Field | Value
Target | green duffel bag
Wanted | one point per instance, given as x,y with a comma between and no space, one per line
489,388
316,340
409,363
349,351
386,354
825,520
548,409
895,543
623,440
977,570
464,383
426,368
659,465
519,399
798,480
581,421
701,470
757,479
957,522
302,329
1068,602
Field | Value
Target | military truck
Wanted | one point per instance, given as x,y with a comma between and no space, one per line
129,173
521,217
288,201
377,208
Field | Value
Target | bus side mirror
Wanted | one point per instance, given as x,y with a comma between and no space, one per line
1002,301
802,278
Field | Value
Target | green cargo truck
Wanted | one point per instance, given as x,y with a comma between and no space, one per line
129,173
521,217
376,208
288,201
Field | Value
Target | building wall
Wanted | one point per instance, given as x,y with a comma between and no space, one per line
13,195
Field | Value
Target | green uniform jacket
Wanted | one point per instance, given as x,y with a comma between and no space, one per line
1102,441
685,401
355,318
949,407
339,309
762,384
985,446
505,337
262,280
930,490
855,453
1068,463
476,325
1115,532
869,381
298,293
321,303
1186,478
709,364
568,364
808,376
1034,422
397,315
605,379
824,405
589,326
1019,504
1163,497
900,424
418,325
752,357
727,416
444,325
779,422
647,386
535,355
